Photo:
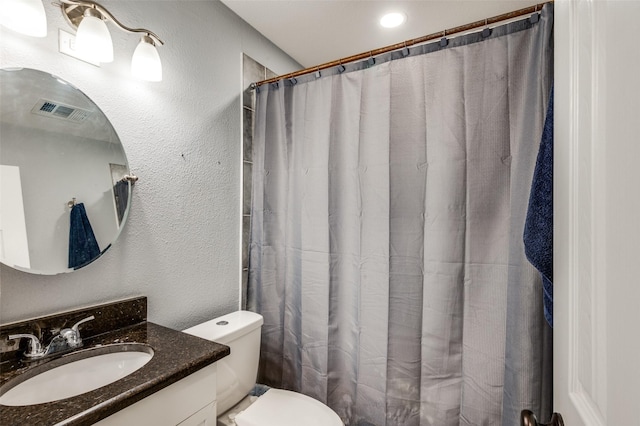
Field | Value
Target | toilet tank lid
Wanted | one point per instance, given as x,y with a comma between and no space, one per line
228,327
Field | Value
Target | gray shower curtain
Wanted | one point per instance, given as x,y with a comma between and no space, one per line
386,241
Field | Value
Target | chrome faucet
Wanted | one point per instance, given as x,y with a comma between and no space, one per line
72,335
67,339
34,348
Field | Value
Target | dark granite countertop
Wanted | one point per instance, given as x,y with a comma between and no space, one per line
176,355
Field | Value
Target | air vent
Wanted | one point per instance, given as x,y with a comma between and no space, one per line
54,109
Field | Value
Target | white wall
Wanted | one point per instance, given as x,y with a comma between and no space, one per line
180,246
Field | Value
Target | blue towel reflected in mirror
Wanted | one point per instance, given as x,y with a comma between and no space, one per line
83,247
121,195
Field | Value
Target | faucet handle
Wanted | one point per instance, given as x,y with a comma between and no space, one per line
72,335
34,348
75,326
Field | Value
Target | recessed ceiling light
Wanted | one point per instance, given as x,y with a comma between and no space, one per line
393,19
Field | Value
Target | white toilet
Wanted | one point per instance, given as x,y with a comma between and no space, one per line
237,376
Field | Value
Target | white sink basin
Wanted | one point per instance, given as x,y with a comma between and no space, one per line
75,374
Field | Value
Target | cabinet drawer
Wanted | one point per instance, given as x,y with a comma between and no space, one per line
204,417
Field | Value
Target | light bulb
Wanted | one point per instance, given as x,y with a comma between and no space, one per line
24,16
93,40
392,20
145,63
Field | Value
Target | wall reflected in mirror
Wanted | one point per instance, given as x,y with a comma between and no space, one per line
58,151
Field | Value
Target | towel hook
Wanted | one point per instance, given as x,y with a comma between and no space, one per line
72,202
130,178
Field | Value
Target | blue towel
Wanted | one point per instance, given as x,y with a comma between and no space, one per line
538,228
83,247
121,194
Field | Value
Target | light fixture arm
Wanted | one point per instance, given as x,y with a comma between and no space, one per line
73,10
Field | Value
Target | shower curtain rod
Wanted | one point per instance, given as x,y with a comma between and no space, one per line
402,45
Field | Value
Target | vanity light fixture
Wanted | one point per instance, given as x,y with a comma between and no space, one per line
393,19
145,62
24,16
93,39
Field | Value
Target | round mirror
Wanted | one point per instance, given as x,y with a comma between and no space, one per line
64,178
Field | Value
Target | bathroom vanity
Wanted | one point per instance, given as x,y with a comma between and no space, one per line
176,386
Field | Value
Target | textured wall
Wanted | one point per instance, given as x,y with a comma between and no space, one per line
180,247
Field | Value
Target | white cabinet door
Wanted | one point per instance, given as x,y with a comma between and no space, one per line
597,212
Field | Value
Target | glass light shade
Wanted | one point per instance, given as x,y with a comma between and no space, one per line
24,16
93,39
145,63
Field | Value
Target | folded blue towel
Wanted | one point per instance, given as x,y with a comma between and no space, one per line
83,247
538,228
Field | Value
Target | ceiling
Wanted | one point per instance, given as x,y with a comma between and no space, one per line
317,31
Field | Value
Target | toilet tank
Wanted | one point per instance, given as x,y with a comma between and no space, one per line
237,372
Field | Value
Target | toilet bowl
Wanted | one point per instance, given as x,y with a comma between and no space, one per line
237,375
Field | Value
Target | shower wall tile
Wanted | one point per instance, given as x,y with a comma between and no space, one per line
247,174
245,282
247,134
252,72
269,74
248,98
246,224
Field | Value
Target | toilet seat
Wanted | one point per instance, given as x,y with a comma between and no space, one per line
279,407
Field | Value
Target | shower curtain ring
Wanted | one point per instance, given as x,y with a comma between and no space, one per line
535,17
487,31
405,51
443,41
